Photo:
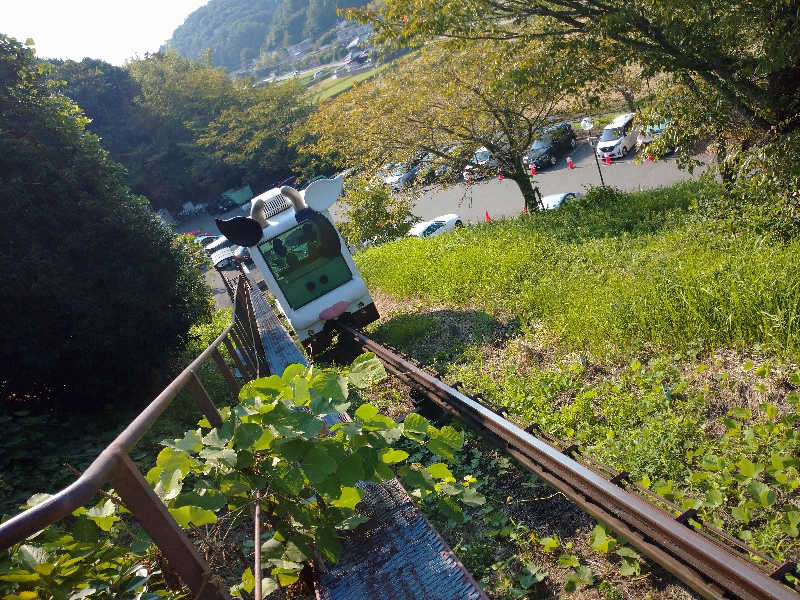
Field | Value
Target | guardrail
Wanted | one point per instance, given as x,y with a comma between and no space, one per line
115,467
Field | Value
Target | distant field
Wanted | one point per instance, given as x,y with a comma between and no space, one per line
332,87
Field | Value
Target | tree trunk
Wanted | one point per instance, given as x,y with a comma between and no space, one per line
532,196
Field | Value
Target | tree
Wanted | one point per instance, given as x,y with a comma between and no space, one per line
745,54
98,296
444,104
253,134
373,214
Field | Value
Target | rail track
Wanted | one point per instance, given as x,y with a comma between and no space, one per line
711,562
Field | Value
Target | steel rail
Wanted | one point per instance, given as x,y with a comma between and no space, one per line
697,560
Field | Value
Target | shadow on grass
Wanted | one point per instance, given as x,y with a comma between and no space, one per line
440,337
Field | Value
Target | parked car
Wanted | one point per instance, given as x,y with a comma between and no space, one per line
436,226
553,201
204,240
221,205
398,175
242,254
555,142
650,133
481,163
218,244
618,137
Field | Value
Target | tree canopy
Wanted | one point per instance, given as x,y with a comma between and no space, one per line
743,54
441,106
184,129
98,294
240,31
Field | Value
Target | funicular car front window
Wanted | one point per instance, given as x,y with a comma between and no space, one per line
612,134
303,264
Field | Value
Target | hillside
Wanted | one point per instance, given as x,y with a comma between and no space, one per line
245,34
655,339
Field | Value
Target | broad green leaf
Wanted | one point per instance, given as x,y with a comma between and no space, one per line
288,477
210,500
289,565
579,577
299,549
741,513
299,424
748,469
366,371
365,413
266,388
301,394
711,462
415,427
627,552
471,497
170,459
246,435
191,442
445,442
292,372
568,560
103,514
217,437
761,493
268,586
601,541
331,390
440,471
450,509
219,457
36,499
248,581
549,543
714,497
264,440
317,464
349,498
285,577
418,482
390,456
351,469
352,522
328,544
194,514
169,484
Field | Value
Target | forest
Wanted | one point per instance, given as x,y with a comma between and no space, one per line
240,31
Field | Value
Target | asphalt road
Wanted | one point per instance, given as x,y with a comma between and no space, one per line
503,198
500,198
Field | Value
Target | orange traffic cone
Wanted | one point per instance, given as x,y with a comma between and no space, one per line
488,218
650,157
524,209
469,181
608,159
533,169
570,164
500,176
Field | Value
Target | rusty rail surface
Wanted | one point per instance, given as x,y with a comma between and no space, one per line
114,466
698,560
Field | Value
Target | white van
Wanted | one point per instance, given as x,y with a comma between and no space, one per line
617,138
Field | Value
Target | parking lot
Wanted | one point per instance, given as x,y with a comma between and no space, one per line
502,198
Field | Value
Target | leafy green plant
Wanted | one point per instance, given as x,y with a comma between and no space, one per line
275,448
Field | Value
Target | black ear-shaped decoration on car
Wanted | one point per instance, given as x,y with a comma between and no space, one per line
242,231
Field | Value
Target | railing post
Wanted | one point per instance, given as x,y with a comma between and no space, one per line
204,401
143,502
236,358
226,371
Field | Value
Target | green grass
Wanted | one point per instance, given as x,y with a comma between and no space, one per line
611,274
329,88
623,323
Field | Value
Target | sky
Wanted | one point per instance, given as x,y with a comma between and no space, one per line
111,30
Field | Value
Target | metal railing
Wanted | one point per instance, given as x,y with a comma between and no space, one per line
115,467
702,562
